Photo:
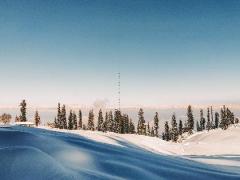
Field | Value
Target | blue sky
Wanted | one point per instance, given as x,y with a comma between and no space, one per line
168,52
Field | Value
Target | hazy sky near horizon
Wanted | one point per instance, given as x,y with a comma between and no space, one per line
168,52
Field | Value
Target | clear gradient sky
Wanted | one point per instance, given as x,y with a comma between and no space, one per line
169,52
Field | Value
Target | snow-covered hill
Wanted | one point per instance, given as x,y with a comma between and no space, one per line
35,153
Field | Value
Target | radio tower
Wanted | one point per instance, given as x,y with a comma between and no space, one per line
119,91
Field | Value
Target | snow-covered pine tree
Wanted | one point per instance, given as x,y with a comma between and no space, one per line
91,120
75,124
64,117
156,124
23,110
174,131
80,123
190,119
202,120
180,127
141,123
37,118
70,120
100,121
208,126
166,133
216,119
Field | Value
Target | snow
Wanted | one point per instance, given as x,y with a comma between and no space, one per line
44,153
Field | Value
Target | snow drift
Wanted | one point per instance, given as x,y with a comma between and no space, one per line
30,153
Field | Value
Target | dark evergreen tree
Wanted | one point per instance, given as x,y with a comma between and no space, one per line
80,123
23,110
216,120
212,123
117,127
152,132
126,123
100,121
208,126
180,128
141,123
223,123
75,124
106,123
70,120
174,130
202,120
91,120
167,133
110,124
190,120
156,124
131,127
148,130
163,136
37,118
63,117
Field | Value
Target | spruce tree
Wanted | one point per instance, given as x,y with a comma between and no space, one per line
106,123
111,124
198,126
202,120
223,123
23,110
91,120
100,121
166,133
190,120
37,118
180,128
70,120
208,126
174,131
75,124
117,124
126,123
80,123
131,127
216,120
141,123
156,124
63,117
152,132
212,124
148,130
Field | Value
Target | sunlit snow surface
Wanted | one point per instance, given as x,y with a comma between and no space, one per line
30,153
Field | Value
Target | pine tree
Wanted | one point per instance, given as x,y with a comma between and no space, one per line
202,120
148,130
58,118
23,110
174,131
37,118
152,132
80,123
163,136
216,120
117,120
212,124
156,124
100,121
106,123
70,120
141,123
167,133
63,117
208,126
75,124
126,123
91,120
180,128
131,127
224,123
190,120
111,124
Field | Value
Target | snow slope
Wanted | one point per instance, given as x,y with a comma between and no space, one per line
31,153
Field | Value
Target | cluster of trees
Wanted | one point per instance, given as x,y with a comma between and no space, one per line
222,120
176,130
5,118
117,122
23,114
144,128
